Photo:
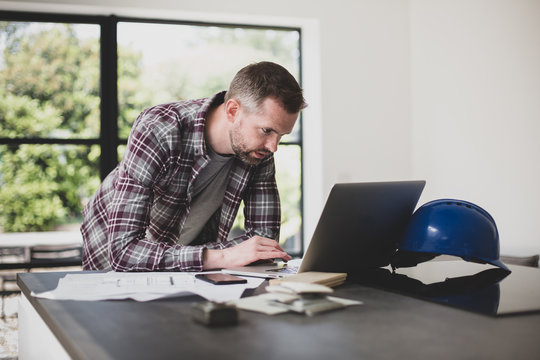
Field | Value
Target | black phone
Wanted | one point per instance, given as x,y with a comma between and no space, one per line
221,279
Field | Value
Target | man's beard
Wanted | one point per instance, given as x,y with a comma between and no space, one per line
244,154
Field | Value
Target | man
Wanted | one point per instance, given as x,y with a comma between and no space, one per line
171,202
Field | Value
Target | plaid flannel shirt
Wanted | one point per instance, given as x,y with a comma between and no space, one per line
134,220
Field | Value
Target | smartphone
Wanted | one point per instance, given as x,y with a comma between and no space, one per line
221,279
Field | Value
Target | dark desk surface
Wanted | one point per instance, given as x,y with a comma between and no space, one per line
387,326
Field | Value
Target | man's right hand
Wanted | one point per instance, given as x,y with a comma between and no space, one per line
254,249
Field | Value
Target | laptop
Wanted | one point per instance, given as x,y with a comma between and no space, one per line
358,229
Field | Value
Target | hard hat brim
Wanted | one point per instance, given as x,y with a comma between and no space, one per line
499,263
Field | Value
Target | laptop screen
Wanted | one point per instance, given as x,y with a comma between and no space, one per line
360,225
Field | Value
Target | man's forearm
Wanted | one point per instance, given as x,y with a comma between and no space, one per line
212,259
251,250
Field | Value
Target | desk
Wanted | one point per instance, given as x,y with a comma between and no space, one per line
387,326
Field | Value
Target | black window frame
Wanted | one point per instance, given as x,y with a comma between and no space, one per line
109,139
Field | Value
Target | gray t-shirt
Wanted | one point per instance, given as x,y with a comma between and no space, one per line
208,191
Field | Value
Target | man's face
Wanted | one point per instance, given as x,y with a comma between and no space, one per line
256,135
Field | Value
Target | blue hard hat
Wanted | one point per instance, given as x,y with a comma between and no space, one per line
451,227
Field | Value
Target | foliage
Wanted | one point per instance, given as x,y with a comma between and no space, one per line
28,200
24,115
53,66
49,90
133,96
207,62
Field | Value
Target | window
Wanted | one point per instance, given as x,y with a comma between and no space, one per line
75,84
50,116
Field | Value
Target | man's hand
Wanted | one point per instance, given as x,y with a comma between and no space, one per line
251,250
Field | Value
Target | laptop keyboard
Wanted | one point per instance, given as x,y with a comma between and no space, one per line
285,270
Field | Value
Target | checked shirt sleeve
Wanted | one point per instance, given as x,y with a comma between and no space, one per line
146,161
262,205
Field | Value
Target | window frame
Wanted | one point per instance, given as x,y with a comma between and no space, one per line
109,139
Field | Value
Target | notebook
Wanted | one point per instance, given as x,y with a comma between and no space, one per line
358,229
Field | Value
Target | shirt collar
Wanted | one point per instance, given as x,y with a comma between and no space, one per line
200,122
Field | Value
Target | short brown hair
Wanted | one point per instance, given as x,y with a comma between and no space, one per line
256,82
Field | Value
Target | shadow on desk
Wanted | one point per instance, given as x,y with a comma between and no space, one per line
478,293
474,287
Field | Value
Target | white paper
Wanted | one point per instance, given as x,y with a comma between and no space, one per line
266,303
346,302
261,303
142,286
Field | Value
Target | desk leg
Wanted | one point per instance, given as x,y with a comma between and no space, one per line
36,340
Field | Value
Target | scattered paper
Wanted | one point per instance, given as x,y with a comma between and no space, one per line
346,302
262,303
269,303
142,286
289,287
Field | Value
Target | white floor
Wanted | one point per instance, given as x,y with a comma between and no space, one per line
9,328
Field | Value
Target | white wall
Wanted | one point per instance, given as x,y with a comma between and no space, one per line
476,109
443,90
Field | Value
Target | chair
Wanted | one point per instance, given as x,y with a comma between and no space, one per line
9,255
19,258
55,255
